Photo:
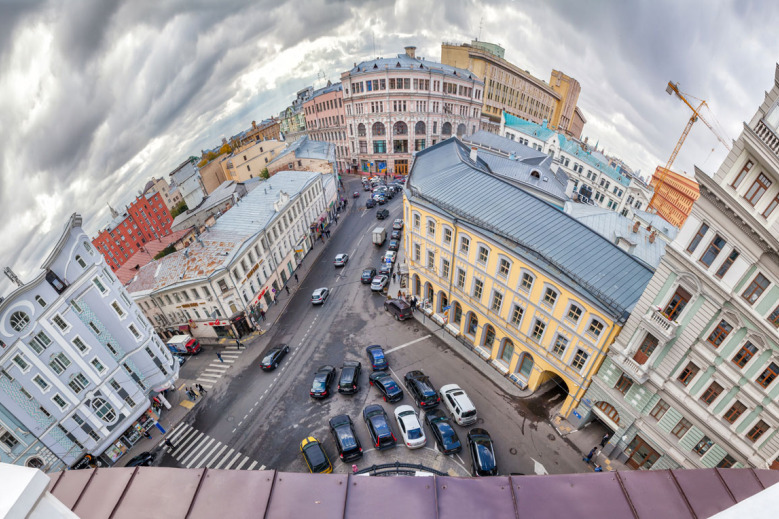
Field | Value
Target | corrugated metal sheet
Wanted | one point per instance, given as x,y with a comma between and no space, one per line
445,176
151,492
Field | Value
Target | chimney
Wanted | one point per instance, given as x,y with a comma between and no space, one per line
636,226
254,125
411,51
474,153
652,237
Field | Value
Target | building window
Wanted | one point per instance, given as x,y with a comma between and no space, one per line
774,317
94,327
445,268
574,313
503,268
681,428
579,359
430,260
768,375
560,344
465,245
478,288
117,309
527,282
40,301
550,296
719,333
677,303
134,331
40,342
417,221
19,321
755,289
623,384
61,403
711,393
646,349
103,410
516,315
713,250
19,361
431,228
744,355
736,410
447,236
59,363
659,410
757,431
771,206
417,252
697,238
8,440
460,278
41,383
727,462
99,285
703,446
742,174
473,324
60,322
81,262
688,373
497,301
758,188
723,269
98,365
595,329
538,330
483,255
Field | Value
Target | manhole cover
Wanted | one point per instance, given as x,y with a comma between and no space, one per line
513,451
230,418
416,330
551,437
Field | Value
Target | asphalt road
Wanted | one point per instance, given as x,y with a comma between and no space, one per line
265,415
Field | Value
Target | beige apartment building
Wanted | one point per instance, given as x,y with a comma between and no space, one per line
248,161
325,121
510,89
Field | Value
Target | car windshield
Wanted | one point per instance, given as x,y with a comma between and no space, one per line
485,456
346,437
381,425
377,354
347,374
315,455
414,434
390,386
319,383
426,390
268,359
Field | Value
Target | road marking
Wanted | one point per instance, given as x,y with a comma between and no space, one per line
257,402
459,458
185,439
196,439
207,386
235,429
224,458
240,423
538,468
216,456
396,348
261,467
242,463
245,416
195,454
177,431
254,464
216,370
207,456
238,455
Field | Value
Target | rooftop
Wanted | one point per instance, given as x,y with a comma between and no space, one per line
305,148
146,255
220,194
444,176
334,87
404,61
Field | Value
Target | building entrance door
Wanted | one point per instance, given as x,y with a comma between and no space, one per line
401,167
641,454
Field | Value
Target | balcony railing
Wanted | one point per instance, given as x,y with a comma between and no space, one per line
661,324
768,136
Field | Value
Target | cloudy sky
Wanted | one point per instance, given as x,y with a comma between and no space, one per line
97,96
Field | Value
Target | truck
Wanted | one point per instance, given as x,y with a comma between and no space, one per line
379,235
183,344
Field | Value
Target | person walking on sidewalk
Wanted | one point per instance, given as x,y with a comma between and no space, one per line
604,439
393,277
296,278
588,458
287,289
169,444
147,435
262,314
201,389
219,356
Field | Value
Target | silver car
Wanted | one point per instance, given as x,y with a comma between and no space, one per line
378,283
340,260
319,296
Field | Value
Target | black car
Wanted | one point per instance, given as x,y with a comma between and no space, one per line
370,203
400,309
381,214
443,432
273,357
376,355
367,276
378,427
422,389
394,245
320,387
388,388
144,459
482,453
349,383
342,429
395,234
386,269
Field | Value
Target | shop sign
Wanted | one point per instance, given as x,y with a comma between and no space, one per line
87,461
115,451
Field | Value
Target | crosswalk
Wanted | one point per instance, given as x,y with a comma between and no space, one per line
195,449
209,375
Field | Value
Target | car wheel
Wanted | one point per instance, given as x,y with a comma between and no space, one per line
386,308
275,365
397,318
286,350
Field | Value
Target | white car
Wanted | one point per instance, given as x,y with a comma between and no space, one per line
340,260
410,428
319,296
462,409
397,224
390,255
379,282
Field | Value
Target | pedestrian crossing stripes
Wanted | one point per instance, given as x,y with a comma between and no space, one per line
216,369
195,449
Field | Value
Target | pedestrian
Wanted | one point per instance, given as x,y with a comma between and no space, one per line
201,389
262,314
219,356
604,439
296,278
393,277
147,435
588,458
238,344
287,289
598,468
354,469
169,444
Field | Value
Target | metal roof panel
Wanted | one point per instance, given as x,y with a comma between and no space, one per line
419,496
243,493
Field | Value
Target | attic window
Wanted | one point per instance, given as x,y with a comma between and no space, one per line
375,66
421,66
397,64
535,174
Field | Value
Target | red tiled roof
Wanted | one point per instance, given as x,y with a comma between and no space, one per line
146,255
205,493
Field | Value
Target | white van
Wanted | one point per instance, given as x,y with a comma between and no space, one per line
462,409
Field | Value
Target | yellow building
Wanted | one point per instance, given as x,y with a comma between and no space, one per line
510,89
249,160
534,292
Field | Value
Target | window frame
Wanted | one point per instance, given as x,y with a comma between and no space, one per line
581,356
744,354
538,330
713,250
696,240
681,428
755,288
522,278
711,393
659,410
757,431
734,412
721,333
727,263
688,373
761,185
771,369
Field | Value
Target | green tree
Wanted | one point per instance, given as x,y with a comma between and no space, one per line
264,173
178,209
164,252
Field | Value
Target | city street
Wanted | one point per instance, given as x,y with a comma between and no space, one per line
251,419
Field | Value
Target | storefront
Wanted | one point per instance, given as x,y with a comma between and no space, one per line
240,324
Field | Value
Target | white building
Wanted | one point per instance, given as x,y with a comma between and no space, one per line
187,181
220,283
79,361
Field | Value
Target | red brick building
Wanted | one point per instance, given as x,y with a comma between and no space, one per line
147,219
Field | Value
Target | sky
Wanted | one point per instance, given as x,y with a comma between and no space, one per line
98,96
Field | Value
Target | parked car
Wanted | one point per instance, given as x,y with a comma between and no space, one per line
342,429
323,378
381,199
180,358
421,389
389,389
395,234
390,255
443,432
378,427
315,456
381,214
399,309
394,245
356,194
377,358
273,357
385,269
367,276
410,428
341,260
379,282
370,203
319,296
349,383
144,459
482,453
462,409
397,224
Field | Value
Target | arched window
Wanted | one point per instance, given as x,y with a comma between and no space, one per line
535,174
420,128
446,129
460,130
40,301
89,248
103,410
378,130
19,321
525,366
34,462
458,313
361,130
473,324
609,411
507,352
400,128
489,336
81,262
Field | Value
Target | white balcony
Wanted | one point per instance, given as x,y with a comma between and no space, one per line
638,372
660,326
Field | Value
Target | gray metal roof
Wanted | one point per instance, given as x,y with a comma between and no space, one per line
404,61
305,148
445,176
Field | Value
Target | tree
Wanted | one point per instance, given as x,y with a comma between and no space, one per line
178,209
164,252
264,173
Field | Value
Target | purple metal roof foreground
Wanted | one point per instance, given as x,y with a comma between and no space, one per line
203,493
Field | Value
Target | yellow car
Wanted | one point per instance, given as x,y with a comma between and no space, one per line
315,456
